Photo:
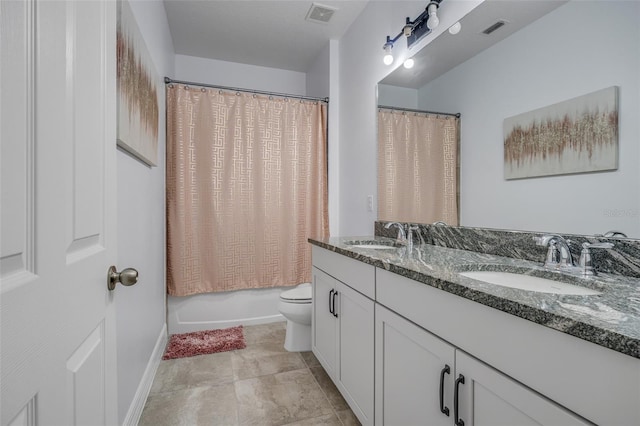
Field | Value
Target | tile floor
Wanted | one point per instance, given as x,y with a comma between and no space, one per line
262,384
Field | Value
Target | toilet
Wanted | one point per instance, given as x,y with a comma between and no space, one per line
295,305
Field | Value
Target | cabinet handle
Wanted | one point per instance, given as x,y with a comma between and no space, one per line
457,420
445,370
335,314
331,302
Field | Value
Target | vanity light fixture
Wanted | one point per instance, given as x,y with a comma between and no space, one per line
409,63
414,30
455,28
388,57
432,11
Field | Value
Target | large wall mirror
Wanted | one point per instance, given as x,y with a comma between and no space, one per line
547,52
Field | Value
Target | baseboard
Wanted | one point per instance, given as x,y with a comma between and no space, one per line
140,398
176,327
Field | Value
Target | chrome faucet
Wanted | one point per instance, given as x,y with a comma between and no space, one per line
585,257
402,236
558,254
614,234
405,234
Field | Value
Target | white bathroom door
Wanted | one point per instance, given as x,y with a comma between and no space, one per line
58,152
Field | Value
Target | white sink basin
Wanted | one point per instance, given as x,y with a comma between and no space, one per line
529,283
373,246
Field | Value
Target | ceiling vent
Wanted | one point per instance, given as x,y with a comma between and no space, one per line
495,27
320,13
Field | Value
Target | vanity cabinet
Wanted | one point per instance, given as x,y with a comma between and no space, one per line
343,328
411,367
418,376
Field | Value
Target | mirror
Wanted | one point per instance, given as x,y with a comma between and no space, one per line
546,53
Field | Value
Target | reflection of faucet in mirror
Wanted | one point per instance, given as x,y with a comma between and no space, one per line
402,236
586,262
558,254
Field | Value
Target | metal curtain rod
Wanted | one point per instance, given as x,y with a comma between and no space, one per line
457,114
168,80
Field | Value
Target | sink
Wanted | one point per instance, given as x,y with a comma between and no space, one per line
373,244
528,282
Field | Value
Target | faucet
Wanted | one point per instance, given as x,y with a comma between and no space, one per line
558,254
585,257
405,234
402,236
615,234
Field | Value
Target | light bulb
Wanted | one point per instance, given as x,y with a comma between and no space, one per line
455,28
408,64
433,20
388,58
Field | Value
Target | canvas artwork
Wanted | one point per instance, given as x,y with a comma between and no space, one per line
575,136
138,107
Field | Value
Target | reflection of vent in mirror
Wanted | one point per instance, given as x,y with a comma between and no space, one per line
495,27
320,13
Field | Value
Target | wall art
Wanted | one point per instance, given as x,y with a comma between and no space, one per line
575,136
138,103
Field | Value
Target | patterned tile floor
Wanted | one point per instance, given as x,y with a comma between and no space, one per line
262,384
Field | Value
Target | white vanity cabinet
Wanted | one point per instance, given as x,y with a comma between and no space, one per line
419,378
527,373
412,366
343,327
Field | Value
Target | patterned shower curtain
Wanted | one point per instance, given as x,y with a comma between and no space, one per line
417,167
246,187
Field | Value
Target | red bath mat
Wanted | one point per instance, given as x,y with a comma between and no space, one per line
204,342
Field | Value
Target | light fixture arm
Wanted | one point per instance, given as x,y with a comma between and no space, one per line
410,26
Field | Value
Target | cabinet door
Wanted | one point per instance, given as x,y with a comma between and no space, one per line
356,350
489,398
324,323
409,367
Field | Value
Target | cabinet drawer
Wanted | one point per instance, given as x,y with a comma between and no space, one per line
357,275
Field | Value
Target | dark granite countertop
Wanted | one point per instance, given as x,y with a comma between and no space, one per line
610,319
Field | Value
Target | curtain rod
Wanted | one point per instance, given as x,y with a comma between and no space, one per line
457,114
168,80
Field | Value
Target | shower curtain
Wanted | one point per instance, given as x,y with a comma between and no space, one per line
417,167
246,187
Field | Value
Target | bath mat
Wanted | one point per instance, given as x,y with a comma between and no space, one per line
204,342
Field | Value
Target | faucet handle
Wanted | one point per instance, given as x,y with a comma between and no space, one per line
585,257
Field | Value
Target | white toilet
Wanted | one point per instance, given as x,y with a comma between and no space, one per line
295,305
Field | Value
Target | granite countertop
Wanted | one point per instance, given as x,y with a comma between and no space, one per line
610,319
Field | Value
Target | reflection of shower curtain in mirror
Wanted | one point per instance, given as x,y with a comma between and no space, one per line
417,167
246,187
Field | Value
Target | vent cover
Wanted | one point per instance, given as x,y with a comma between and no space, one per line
320,13
495,27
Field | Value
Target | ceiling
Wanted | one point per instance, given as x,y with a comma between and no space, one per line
257,32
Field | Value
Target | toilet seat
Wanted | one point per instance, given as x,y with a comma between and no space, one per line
300,294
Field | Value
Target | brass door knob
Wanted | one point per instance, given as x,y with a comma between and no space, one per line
127,277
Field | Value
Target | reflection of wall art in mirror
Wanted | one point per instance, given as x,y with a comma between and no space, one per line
138,108
575,136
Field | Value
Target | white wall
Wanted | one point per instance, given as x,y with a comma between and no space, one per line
140,309
361,68
568,53
400,97
220,310
231,74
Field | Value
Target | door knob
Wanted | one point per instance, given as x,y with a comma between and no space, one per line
127,277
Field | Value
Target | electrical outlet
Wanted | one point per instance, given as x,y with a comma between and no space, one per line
370,203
